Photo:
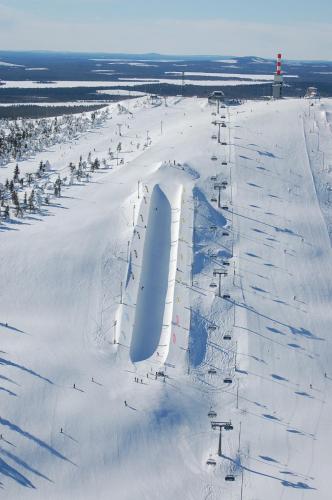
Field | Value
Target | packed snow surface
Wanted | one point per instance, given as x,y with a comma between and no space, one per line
119,351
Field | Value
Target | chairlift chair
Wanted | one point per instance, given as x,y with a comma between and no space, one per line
211,461
229,477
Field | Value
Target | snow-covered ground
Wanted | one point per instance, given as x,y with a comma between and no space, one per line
122,82
229,75
115,288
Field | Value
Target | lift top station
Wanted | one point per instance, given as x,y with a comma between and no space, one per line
278,82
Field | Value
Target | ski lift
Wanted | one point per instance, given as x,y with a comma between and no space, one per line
212,414
225,207
224,143
225,263
211,461
214,200
223,117
227,336
228,380
213,178
226,296
223,124
225,234
212,371
214,158
229,477
228,427
213,228
213,285
224,162
213,136
212,327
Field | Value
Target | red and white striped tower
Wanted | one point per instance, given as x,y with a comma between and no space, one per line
279,64
278,80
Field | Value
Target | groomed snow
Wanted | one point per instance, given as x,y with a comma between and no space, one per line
114,288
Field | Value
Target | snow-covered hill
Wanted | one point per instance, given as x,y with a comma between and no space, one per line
135,312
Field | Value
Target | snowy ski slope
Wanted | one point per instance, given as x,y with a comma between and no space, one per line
115,289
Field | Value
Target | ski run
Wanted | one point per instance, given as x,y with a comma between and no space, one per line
165,314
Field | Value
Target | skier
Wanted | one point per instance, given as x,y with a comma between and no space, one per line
61,431
125,403
74,386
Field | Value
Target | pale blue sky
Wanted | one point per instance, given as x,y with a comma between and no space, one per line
236,10
301,28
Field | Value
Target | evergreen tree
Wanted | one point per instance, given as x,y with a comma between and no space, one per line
31,201
16,173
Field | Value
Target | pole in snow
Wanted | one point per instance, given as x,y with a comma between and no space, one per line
219,447
115,323
221,425
220,273
134,215
138,184
121,285
219,187
237,394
